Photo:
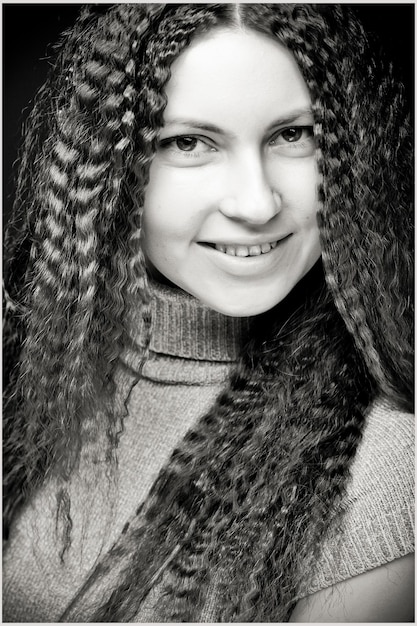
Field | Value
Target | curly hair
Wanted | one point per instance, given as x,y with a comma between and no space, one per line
267,466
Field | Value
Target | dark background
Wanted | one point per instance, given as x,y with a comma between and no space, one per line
30,30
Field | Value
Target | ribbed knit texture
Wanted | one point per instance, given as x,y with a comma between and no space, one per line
192,350
183,327
378,524
191,353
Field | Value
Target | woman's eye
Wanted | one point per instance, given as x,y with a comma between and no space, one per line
186,143
294,140
186,146
292,134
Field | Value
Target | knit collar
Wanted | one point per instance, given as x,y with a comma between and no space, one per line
184,327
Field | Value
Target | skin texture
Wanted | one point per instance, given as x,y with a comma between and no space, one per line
248,177
385,594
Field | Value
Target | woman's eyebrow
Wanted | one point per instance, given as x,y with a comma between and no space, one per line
212,128
291,117
288,118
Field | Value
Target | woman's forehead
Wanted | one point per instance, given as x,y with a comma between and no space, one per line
230,73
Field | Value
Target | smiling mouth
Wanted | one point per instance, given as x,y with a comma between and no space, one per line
244,251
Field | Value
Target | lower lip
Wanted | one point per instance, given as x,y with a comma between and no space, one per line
247,265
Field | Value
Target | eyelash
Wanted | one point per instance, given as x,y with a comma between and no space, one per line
297,144
170,143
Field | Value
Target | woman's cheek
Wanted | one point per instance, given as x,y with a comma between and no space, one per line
298,188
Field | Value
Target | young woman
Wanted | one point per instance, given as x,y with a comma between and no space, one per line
208,325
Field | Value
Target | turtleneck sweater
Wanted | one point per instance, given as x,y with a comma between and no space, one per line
192,350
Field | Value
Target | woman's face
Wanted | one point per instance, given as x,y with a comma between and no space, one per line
230,210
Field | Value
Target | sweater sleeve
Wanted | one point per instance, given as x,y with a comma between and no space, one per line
377,525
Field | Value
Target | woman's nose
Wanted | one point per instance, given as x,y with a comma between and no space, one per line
249,195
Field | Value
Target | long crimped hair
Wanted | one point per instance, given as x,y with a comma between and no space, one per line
247,496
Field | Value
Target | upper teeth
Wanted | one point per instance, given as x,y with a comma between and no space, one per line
246,250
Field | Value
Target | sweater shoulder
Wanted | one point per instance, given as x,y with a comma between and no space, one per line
383,469
377,521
